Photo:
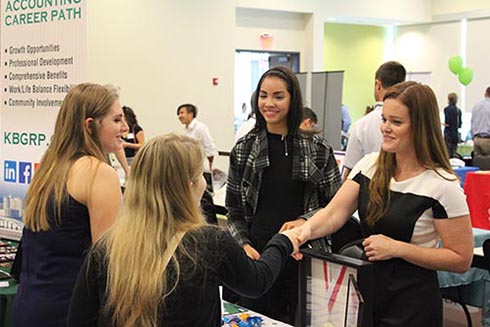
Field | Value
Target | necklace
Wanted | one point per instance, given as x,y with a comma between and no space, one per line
284,139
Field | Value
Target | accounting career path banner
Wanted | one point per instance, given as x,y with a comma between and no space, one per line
42,54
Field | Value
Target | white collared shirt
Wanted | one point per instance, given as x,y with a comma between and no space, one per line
365,137
245,128
480,118
199,131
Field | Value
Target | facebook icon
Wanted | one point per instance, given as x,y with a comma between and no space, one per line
25,172
10,171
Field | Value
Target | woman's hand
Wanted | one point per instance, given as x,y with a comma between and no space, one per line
251,252
303,234
292,224
380,247
292,234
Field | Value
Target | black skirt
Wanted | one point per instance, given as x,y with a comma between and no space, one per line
406,295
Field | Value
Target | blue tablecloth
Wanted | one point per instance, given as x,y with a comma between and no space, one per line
462,171
474,284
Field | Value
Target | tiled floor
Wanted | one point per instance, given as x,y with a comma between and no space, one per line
454,315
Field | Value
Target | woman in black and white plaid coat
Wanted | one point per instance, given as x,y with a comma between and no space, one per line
278,175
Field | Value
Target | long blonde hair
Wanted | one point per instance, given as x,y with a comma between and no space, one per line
427,139
70,141
158,206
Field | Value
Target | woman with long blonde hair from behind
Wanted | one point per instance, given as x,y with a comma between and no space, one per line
161,263
72,200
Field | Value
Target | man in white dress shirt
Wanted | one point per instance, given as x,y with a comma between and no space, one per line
187,114
480,125
365,134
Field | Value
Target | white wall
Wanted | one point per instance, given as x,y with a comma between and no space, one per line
164,53
287,29
478,56
362,10
309,38
457,7
427,48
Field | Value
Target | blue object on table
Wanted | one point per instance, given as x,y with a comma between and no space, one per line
462,171
254,321
251,321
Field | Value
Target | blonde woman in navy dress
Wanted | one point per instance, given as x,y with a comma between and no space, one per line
408,199
73,199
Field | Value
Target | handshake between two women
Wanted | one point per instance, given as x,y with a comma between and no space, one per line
298,232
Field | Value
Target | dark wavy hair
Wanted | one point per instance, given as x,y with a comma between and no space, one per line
296,111
130,117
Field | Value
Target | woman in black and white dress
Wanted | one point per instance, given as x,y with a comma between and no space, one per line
408,199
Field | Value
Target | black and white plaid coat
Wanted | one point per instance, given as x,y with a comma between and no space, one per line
313,163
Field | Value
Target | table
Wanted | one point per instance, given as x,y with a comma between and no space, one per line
7,295
465,149
473,285
219,200
230,309
462,171
219,196
477,190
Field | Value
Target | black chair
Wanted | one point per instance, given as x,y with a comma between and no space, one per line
454,293
482,162
349,233
17,264
486,253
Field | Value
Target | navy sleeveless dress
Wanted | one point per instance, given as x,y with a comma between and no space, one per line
50,264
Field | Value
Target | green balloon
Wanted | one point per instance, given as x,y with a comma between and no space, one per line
455,64
466,76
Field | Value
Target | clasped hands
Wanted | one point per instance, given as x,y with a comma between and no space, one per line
376,247
293,231
298,232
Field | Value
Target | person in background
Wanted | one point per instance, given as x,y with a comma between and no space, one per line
277,174
368,110
123,162
249,124
310,120
365,136
246,127
242,116
187,114
73,199
409,200
179,258
452,116
480,126
460,123
345,125
135,138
